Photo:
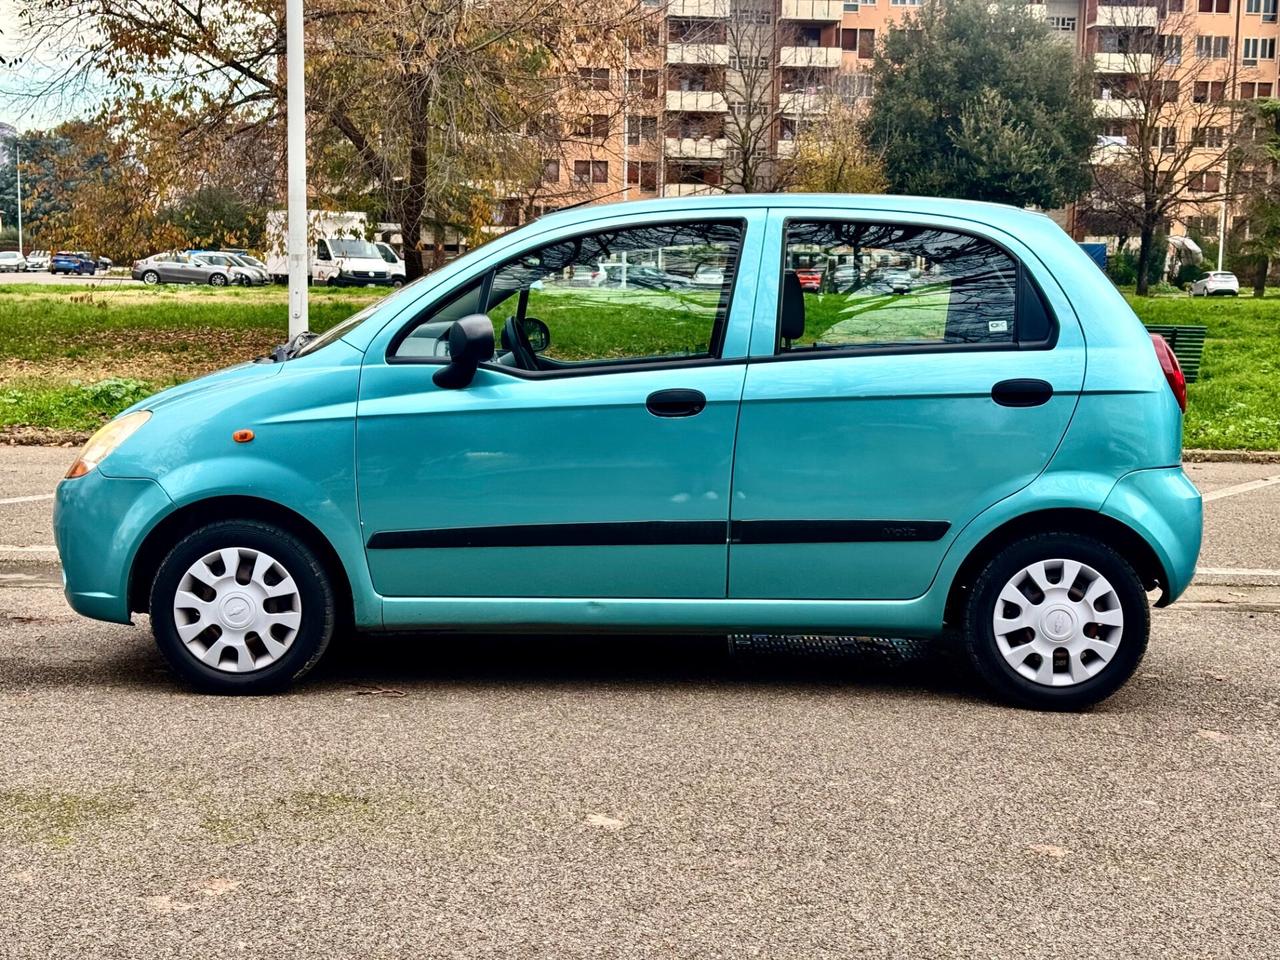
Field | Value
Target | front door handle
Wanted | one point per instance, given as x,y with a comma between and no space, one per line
676,403
1021,393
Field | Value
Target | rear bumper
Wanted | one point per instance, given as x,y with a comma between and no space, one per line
1164,507
98,524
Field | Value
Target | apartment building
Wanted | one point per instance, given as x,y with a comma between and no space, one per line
718,90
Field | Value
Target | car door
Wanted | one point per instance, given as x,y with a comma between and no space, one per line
605,471
877,421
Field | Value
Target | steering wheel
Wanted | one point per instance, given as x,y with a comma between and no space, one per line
517,341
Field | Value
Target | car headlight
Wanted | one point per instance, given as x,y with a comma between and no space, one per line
105,440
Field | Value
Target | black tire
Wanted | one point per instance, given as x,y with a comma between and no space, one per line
315,588
979,632
150,278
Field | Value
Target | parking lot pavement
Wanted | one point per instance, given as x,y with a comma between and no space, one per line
635,797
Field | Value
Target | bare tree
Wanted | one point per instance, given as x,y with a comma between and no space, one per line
428,102
1165,98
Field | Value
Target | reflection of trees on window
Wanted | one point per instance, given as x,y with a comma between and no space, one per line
896,283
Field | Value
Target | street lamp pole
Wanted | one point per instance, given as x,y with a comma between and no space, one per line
296,149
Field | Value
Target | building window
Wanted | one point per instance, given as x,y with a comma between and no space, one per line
1065,24
643,173
641,130
904,3
550,171
1211,48
1171,48
849,40
590,171
1207,137
866,44
1215,6
1251,91
1206,181
1168,139
1259,48
643,83
1209,91
595,78
851,7
594,126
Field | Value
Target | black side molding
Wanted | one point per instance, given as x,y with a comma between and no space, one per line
664,533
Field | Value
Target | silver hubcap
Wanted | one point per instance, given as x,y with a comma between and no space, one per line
237,609
1058,622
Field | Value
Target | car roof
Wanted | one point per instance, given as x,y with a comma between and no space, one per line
995,214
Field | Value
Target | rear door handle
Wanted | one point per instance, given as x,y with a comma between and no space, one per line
676,403
1021,393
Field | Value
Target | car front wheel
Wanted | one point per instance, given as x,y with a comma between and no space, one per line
242,606
1057,621
151,278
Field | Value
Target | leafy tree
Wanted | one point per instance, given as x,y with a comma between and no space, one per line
978,100
1261,161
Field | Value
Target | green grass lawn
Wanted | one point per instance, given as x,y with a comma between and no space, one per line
1235,405
70,357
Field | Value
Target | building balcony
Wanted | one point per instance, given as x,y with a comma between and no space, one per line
696,101
1122,62
689,189
713,54
704,9
695,148
800,103
1135,15
1116,109
814,10
1111,150
809,58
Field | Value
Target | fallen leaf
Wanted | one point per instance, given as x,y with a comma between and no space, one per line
217,887
1048,850
166,904
608,823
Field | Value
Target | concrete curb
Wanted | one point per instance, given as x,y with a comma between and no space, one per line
1231,456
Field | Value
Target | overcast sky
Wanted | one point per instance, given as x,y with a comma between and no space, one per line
14,81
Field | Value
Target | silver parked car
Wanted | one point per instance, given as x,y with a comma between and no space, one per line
11,261
240,270
184,268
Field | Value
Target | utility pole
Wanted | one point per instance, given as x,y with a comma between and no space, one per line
17,159
626,122
296,150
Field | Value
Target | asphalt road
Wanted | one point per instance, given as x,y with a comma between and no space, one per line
528,797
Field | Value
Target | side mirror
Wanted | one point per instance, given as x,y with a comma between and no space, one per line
470,344
539,334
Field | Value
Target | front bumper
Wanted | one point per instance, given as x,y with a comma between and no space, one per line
98,524
347,280
1165,508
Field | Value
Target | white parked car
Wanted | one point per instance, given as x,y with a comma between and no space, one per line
37,259
11,261
1217,283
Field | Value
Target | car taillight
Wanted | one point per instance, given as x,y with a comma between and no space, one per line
1172,370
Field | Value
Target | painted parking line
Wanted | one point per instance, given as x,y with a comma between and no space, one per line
1237,488
38,548
31,499
1238,571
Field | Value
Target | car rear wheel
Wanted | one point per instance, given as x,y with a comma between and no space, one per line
1057,621
242,606
218,280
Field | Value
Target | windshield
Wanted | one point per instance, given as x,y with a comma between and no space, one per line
353,248
340,330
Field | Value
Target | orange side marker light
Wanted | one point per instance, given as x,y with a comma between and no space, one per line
242,436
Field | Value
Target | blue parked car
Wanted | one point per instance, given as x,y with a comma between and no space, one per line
69,263
505,445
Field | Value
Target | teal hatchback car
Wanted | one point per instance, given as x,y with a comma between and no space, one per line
959,426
